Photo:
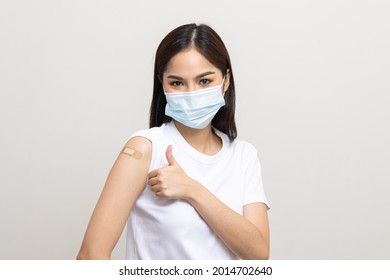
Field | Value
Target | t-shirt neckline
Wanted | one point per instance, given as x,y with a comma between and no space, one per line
191,150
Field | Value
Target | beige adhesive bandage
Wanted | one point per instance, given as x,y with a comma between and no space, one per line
131,152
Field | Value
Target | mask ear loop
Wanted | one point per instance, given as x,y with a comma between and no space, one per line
222,86
223,81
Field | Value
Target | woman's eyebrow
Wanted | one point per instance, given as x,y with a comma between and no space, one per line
205,74
174,77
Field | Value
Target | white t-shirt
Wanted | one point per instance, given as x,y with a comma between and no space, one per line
161,228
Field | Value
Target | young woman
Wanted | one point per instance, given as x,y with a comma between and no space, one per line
186,187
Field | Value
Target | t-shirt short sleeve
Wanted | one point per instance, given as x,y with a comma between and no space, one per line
155,137
146,133
254,190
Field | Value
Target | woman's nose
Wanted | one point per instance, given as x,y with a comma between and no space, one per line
192,86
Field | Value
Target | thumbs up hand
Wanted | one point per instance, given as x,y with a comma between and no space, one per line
171,160
171,181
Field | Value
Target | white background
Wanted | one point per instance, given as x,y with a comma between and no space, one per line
313,96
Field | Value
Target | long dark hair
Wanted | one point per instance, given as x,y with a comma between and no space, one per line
207,42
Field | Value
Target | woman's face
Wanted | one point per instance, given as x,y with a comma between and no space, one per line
190,71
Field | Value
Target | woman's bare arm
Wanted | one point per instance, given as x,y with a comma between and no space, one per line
124,184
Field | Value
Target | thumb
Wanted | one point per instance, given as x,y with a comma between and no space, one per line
171,160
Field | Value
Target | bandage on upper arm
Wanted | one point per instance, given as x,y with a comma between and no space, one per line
131,152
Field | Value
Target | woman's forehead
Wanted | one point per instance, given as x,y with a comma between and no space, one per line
189,63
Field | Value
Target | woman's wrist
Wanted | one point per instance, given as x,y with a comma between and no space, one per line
194,191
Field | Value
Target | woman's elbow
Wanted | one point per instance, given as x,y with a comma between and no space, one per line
264,253
264,256
260,254
87,255
81,256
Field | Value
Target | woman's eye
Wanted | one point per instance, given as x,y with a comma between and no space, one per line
204,81
176,83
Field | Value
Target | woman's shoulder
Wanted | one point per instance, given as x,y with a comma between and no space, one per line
147,139
151,142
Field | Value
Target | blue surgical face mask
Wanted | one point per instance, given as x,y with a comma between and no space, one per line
195,109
